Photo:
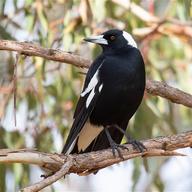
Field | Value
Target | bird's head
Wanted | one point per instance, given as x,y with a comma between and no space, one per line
113,38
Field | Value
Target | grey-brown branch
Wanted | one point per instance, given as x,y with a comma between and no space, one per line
152,87
86,163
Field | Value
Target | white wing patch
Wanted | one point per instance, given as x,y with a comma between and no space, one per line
129,39
91,84
100,87
90,97
91,87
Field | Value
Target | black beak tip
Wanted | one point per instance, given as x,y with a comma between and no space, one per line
87,40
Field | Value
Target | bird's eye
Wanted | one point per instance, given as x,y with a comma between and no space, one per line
112,37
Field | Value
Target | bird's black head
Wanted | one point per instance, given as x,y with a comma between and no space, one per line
113,38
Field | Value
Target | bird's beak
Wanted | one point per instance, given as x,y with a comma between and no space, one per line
97,39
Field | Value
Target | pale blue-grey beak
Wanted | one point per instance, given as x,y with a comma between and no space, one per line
97,39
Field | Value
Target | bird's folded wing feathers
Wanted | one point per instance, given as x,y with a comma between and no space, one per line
91,91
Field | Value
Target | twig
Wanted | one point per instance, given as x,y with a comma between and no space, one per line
183,31
51,179
153,87
15,86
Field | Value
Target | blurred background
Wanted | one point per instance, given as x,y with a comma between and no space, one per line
47,91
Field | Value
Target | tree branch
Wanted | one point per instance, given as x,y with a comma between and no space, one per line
87,163
51,179
31,49
152,87
172,94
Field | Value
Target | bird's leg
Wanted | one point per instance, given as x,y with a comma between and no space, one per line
114,146
122,131
136,144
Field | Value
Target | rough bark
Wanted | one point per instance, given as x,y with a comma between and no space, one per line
59,165
152,87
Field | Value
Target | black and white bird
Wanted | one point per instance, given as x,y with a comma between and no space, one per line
113,90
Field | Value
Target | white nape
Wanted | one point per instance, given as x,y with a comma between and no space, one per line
129,39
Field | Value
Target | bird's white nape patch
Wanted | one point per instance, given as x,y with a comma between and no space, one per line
129,39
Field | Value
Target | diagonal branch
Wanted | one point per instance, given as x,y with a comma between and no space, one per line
51,179
152,87
87,163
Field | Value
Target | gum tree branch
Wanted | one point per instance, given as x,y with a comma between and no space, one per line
172,94
83,164
152,87
51,179
32,49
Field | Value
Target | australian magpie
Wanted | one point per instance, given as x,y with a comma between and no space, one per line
113,90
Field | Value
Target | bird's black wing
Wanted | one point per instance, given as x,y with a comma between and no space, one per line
86,103
93,68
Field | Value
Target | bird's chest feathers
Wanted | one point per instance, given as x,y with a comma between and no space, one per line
117,75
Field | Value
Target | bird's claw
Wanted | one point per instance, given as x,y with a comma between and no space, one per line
137,145
117,148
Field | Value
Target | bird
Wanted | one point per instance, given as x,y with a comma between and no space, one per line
112,92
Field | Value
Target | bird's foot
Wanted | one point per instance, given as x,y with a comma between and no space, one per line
115,146
137,145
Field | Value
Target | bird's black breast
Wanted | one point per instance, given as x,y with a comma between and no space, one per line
123,77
